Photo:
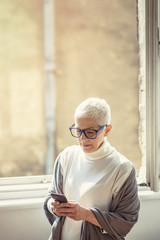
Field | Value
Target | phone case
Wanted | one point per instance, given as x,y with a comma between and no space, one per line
59,197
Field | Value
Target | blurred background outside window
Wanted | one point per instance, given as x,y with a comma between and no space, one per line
96,55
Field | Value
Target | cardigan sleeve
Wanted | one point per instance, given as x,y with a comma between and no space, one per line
56,186
120,218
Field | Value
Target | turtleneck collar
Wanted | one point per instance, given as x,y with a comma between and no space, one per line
101,152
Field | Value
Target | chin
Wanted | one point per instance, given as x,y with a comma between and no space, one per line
88,150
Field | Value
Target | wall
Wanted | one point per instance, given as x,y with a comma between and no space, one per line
147,227
29,222
23,223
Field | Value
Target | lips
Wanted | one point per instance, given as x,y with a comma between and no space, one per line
85,145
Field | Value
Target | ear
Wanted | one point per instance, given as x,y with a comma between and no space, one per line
108,129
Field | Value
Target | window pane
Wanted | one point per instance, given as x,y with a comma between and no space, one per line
22,125
96,54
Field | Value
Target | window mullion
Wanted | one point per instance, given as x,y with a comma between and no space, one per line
152,171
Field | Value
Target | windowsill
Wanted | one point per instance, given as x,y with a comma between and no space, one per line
29,192
21,203
145,193
23,192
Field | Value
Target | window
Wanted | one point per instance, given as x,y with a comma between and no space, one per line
87,64
41,148
27,121
149,61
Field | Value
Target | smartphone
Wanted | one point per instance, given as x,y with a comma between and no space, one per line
59,197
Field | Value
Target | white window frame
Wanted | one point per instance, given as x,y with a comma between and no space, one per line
152,94
149,92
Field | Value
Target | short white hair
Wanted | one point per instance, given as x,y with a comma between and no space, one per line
94,108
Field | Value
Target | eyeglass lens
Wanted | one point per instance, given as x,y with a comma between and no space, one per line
89,133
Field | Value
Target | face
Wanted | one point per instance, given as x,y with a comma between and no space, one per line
91,145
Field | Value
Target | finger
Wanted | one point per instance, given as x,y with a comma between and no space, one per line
67,211
68,204
55,203
53,209
56,211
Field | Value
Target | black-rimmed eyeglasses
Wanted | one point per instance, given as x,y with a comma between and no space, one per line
89,133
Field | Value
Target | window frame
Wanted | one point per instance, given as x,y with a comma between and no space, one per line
152,94
149,93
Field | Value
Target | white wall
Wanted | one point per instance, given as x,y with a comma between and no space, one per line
23,224
147,228
30,223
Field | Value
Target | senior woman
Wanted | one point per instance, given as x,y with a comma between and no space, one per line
98,182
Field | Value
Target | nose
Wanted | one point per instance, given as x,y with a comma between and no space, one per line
83,136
